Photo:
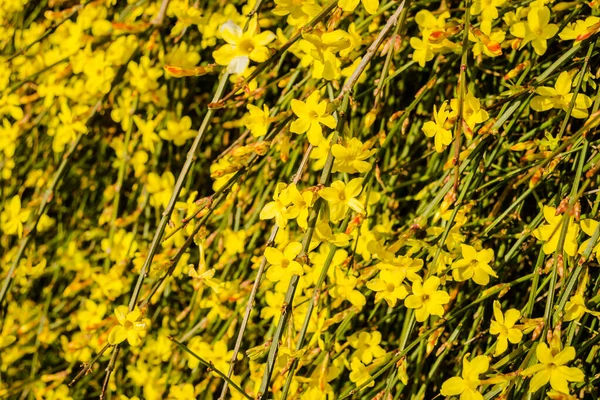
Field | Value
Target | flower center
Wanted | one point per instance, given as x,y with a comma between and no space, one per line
246,46
390,287
313,114
285,263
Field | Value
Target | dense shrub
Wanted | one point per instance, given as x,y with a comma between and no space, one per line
299,199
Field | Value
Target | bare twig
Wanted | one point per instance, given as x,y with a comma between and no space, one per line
370,52
158,20
261,268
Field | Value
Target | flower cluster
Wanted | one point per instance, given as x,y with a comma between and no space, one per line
299,199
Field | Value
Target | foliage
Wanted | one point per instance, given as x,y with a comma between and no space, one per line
299,199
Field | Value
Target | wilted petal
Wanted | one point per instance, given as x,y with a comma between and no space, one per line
238,65
121,314
230,32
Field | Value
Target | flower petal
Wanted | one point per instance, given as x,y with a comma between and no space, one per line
566,355
117,335
453,386
511,317
543,353
539,380
273,256
431,284
292,250
230,32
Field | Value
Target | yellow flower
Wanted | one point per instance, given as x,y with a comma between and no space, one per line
423,50
274,301
258,120
282,207
349,5
340,197
283,263
351,158
132,327
301,203
359,373
504,327
69,124
487,8
160,188
577,29
123,244
242,47
177,131
435,128
320,153
536,30
388,287
318,51
466,386
487,41
550,233
91,315
311,114
9,133
434,38
404,267
198,346
474,265
575,308
10,105
234,241
144,76
589,226
298,13
183,56
355,40
182,391
345,288
147,130
367,346
45,223
121,110
13,217
427,21
551,368
426,299
324,233
560,97
472,112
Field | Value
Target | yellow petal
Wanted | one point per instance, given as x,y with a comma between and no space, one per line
563,83
371,5
117,335
453,386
